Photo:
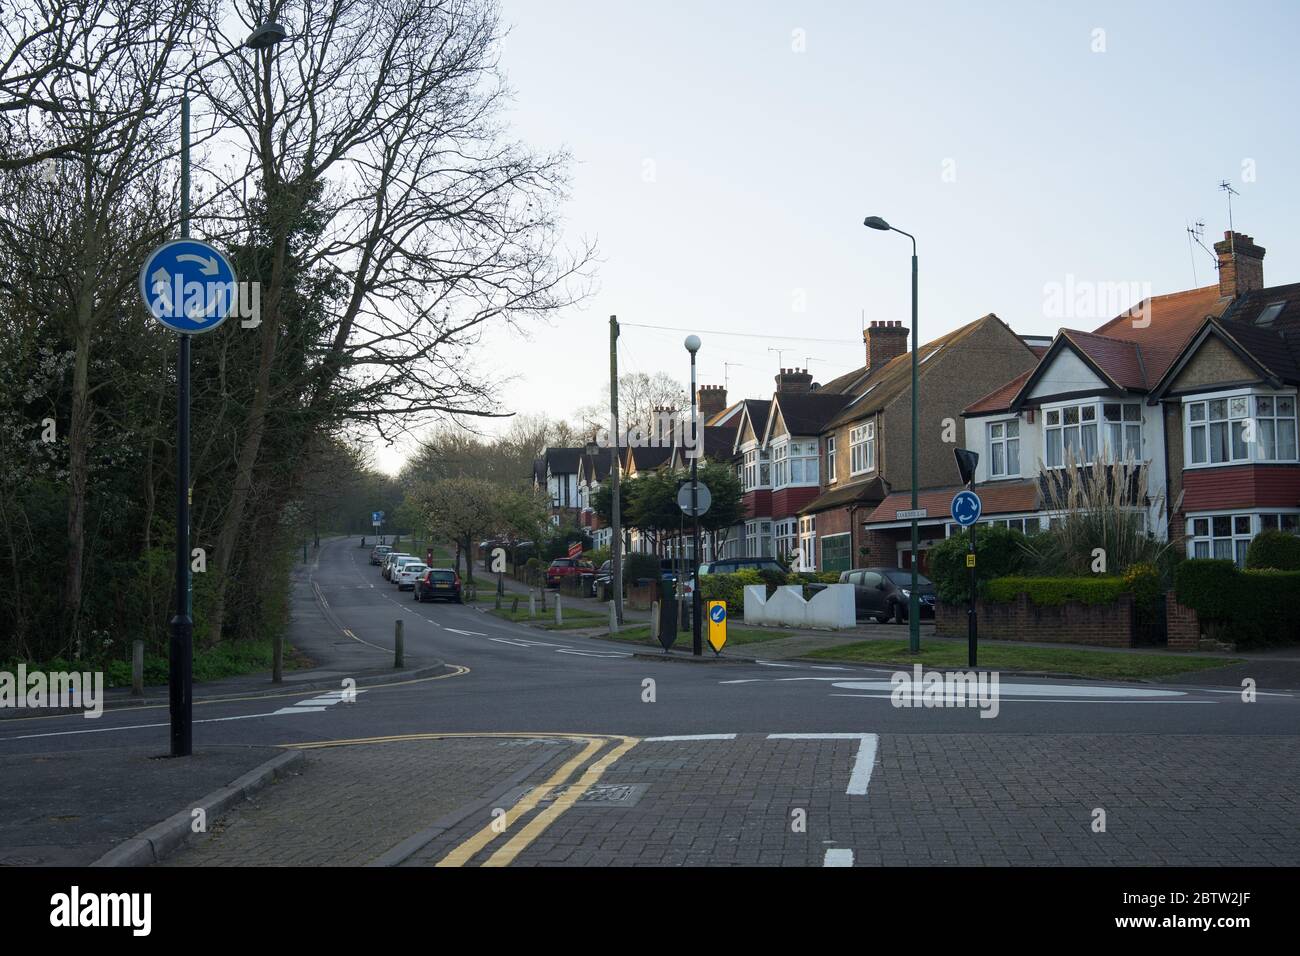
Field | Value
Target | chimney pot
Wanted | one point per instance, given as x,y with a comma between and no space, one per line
1241,264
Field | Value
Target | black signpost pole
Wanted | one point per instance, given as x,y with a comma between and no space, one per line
971,625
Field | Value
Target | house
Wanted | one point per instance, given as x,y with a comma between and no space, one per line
866,444
1199,386
556,472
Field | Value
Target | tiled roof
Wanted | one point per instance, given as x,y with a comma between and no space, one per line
1163,324
1119,360
719,442
861,492
649,458
1004,497
807,414
563,461
894,378
999,400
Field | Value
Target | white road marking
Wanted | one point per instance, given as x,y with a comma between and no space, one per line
1008,689
1054,700
648,740
593,653
862,766
838,856
505,640
456,630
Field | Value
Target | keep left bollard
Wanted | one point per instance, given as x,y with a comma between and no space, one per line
399,644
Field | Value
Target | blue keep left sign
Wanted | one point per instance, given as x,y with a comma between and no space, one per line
718,613
188,286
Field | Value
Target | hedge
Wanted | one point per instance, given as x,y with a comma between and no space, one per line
729,588
1275,549
1050,592
1247,608
1000,552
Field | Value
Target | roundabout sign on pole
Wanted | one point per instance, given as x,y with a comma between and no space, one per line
188,286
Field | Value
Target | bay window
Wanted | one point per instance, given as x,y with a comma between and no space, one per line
1079,431
757,470
1241,428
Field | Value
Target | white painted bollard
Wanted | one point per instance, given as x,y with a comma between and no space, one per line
613,619
559,617
654,620
532,603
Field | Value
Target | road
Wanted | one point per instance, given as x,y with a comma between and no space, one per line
537,748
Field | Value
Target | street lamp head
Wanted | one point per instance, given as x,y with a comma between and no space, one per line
266,35
875,222
692,343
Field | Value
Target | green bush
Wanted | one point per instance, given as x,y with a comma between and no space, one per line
729,588
1279,550
1000,552
1049,592
1252,608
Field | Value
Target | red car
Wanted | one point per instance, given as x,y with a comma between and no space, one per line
562,568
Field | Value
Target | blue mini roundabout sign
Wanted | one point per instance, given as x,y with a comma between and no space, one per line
189,286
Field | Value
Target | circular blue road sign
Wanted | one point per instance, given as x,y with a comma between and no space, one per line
718,613
966,508
188,286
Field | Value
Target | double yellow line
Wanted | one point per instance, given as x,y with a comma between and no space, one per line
567,793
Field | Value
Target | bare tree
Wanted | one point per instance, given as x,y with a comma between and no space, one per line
381,121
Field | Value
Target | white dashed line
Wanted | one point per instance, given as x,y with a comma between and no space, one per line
862,767
838,856
648,740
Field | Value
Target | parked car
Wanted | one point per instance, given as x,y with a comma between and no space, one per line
407,573
438,583
390,559
562,568
884,593
379,553
732,565
603,579
396,567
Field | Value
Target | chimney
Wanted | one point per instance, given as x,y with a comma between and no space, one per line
794,380
884,341
1241,264
711,399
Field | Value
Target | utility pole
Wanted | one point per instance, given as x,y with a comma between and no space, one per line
616,544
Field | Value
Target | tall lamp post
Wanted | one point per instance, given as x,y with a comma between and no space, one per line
913,598
181,644
697,644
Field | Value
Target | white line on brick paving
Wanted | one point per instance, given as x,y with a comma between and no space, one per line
838,856
648,740
862,767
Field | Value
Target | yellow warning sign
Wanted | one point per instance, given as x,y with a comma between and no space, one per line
717,611
970,560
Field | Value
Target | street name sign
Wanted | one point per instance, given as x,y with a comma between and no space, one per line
910,514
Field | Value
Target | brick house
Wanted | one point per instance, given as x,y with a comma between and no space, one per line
866,445
1200,386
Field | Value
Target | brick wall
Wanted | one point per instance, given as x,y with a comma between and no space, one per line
1103,625
1182,625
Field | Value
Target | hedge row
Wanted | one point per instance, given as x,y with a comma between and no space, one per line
1051,592
1247,608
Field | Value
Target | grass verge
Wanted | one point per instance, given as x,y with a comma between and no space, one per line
1056,660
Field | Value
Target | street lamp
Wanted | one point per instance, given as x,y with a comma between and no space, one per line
697,645
180,694
913,599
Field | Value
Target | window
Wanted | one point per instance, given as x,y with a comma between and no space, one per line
835,552
1218,430
1077,431
786,538
830,459
1004,449
1275,427
780,466
862,448
1220,536
1280,522
758,539
757,470
807,544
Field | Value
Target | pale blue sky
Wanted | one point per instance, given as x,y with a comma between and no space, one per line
1060,160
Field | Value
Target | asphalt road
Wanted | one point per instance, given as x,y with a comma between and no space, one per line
784,764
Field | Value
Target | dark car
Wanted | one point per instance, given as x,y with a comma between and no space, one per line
438,584
377,555
732,565
884,593
602,580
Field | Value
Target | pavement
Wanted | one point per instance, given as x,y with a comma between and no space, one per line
532,747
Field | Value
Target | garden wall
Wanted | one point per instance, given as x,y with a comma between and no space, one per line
1103,625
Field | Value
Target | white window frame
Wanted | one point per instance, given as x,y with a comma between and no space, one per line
1091,415
998,433
1238,540
807,543
786,535
780,464
755,462
1247,417
830,460
862,448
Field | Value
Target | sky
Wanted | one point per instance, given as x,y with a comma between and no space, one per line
1048,157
